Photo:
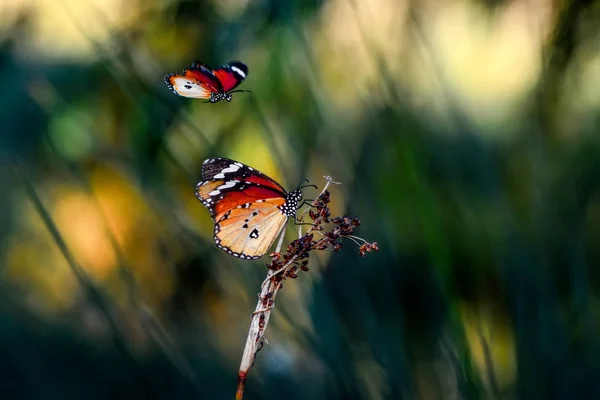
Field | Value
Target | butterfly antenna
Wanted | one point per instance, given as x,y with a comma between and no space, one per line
300,184
305,186
241,91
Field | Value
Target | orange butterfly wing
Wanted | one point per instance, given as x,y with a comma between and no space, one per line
197,81
246,205
249,232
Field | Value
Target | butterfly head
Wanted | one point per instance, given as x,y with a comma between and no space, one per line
292,203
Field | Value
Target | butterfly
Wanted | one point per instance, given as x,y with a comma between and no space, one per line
199,81
249,208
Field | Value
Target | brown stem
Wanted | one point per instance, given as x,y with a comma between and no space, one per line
260,320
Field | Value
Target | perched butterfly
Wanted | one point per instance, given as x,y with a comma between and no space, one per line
199,81
249,208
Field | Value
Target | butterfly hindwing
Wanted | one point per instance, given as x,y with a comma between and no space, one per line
187,87
249,230
197,81
231,74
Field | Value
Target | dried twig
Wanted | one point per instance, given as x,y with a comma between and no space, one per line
289,264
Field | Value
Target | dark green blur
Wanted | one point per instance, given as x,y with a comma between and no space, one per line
480,188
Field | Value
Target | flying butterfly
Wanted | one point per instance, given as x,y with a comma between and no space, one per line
199,81
249,208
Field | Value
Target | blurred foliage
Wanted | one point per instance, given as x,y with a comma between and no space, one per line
465,135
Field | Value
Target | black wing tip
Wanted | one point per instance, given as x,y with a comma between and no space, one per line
210,159
240,65
213,159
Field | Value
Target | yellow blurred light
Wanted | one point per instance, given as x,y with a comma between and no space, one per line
250,147
138,232
35,263
489,61
78,218
491,342
73,28
10,11
37,267
348,37
89,223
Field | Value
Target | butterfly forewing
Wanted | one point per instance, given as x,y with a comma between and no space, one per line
221,196
227,169
231,74
205,76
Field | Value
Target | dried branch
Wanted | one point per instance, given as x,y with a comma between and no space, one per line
289,264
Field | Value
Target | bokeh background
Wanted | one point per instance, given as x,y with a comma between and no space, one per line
464,133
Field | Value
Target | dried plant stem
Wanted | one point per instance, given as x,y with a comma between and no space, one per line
265,304
260,320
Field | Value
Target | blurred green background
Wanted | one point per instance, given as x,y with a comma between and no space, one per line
465,135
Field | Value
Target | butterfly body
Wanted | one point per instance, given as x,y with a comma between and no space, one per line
199,81
249,208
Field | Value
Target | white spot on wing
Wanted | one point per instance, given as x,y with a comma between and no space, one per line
227,185
214,193
231,168
239,71
219,176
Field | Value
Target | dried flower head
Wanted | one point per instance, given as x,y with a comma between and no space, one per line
296,256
